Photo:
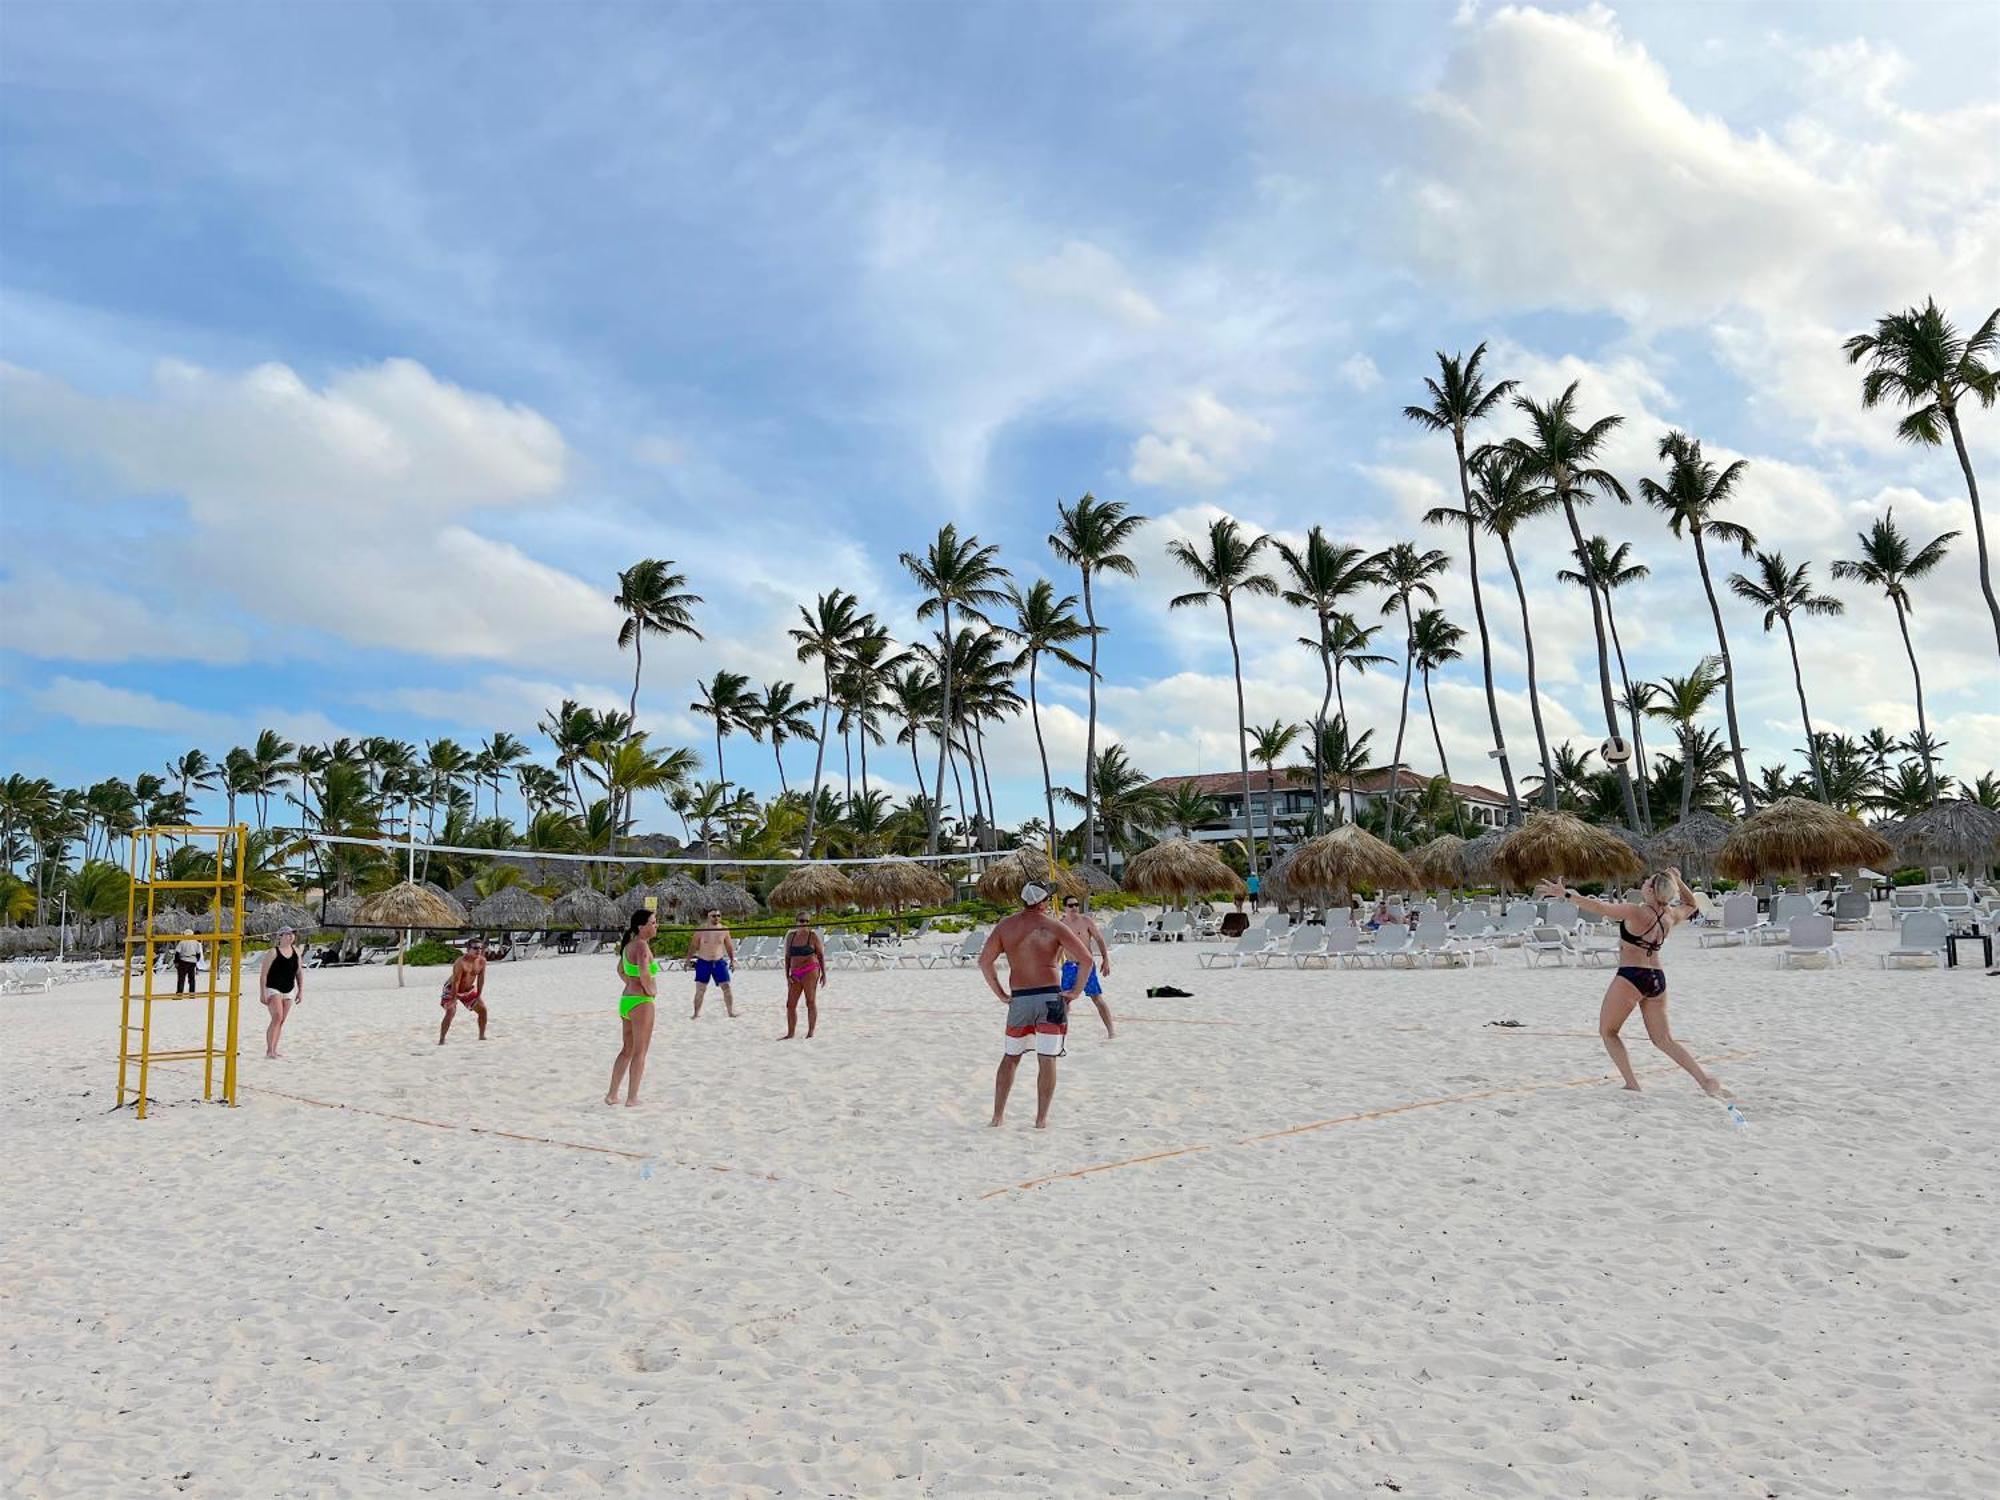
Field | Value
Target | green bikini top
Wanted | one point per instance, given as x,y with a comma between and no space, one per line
632,970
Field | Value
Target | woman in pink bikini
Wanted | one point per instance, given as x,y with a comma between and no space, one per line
805,972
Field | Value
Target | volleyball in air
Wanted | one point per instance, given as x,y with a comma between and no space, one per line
1615,751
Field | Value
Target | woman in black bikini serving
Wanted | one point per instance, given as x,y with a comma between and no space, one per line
1643,928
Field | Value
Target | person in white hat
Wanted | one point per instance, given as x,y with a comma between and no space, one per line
1034,945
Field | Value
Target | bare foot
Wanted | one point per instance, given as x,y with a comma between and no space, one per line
996,1122
1714,1089
1041,1124
631,1103
610,1098
1631,1088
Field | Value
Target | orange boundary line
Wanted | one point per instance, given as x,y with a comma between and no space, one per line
1370,1114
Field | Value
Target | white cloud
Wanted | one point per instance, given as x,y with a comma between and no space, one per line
1198,444
1358,373
1084,275
98,705
75,620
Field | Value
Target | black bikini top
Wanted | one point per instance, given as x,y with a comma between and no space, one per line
1649,943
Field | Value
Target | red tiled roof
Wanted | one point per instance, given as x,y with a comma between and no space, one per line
1228,783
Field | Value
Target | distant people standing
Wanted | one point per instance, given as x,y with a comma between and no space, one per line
805,972
1254,885
1080,922
713,951
282,984
465,985
187,959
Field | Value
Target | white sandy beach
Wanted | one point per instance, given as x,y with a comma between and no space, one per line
835,1281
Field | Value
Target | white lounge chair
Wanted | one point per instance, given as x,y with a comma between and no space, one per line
1739,921
1546,941
1851,910
1783,911
1515,926
1305,945
1250,948
966,951
1923,936
1173,927
1810,937
1343,946
1391,943
1127,927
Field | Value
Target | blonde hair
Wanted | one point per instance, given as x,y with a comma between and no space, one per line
1663,881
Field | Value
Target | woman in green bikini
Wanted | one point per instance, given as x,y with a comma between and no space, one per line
638,969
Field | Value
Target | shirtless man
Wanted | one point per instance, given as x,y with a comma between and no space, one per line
713,951
1080,922
1034,945
465,985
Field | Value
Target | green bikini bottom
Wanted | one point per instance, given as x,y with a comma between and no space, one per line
629,1003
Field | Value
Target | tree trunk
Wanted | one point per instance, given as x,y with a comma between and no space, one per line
1402,724
1340,701
1728,675
1090,734
863,738
778,757
958,785
1978,527
986,774
819,756
638,661
1805,714
1242,737
944,733
1632,713
721,775
1485,641
1923,728
1603,663
1319,735
1687,774
1457,812
1534,690
1048,786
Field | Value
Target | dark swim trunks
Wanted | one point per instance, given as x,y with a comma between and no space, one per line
1650,983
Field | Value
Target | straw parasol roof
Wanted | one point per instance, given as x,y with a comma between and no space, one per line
513,909
265,921
1558,845
898,882
339,911
27,940
405,905
1477,858
1100,880
681,896
1440,862
728,898
1332,865
812,888
1180,870
1955,832
587,911
450,900
1693,842
1001,881
1794,836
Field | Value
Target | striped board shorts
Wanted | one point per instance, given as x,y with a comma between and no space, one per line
1037,1021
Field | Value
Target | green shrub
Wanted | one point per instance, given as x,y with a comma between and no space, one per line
429,953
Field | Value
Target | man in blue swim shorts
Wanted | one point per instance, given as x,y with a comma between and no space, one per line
1080,922
713,950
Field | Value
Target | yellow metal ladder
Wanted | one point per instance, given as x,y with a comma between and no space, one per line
151,875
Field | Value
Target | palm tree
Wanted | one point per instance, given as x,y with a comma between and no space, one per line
1272,742
649,593
951,572
575,732
626,767
1187,809
1690,498
195,772
1342,756
872,661
1502,500
1782,591
1606,567
1406,571
1349,642
1560,458
1227,568
24,802
1682,701
497,757
1985,790
830,629
727,701
1915,787
1877,744
1045,625
1128,805
782,717
1459,398
1321,575
1889,562
912,696
1434,641
1569,775
1088,538
1919,358
273,762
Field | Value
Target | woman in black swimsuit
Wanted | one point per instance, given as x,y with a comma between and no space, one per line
1643,929
282,985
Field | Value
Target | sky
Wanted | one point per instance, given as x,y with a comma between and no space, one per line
348,352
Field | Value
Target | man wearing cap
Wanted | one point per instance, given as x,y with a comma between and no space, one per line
1034,945
465,985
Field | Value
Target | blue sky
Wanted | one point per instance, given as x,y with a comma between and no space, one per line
350,350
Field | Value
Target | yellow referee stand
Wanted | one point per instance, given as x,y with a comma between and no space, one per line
224,889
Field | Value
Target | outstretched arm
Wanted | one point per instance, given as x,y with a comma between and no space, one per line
1615,910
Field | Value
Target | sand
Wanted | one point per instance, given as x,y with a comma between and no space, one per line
1480,1270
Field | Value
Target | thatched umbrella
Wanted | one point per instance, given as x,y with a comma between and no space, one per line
455,903
1001,881
1560,846
585,910
268,920
513,910
1440,863
728,898
1099,880
405,906
897,882
14,940
1180,870
464,893
682,897
812,888
1334,864
1692,843
1957,832
1794,836
1478,858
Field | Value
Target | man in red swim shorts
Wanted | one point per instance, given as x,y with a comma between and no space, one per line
465,985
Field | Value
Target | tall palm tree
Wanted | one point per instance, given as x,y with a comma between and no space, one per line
1920,359
1272,742
574,731
912,695
1128,805
1089,537
273,762
1782,591
1045,625
1434,642
952,571
1187,810
1503,499
1349,643
727,702
1890,562
1694,491
830,629
1607,567
1559,458
1682,701
1226,568
1459,398
1341,755
782,717
650,593
499,755
195,772
872,662
23,804
1319,576
1406,570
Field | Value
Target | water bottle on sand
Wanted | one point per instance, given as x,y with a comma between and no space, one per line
1736,1119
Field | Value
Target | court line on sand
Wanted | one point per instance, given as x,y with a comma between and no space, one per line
1367,1114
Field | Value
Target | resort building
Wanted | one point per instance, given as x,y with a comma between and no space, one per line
1281,801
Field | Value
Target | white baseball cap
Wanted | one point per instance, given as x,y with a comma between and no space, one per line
1034,894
